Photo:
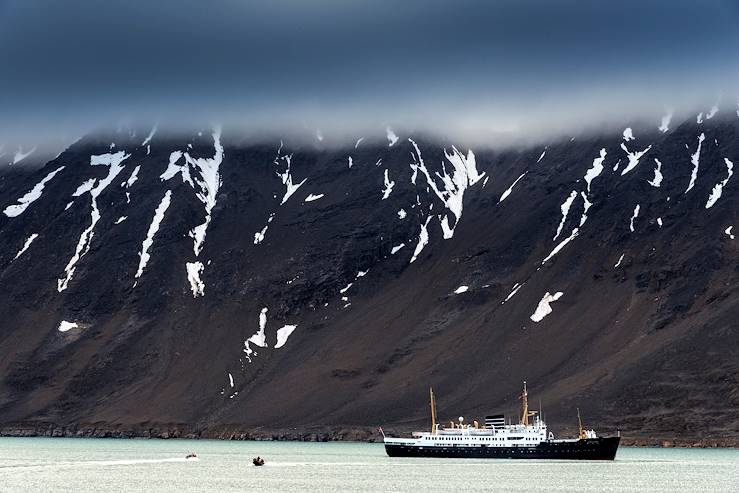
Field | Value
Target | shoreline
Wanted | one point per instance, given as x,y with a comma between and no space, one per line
322,434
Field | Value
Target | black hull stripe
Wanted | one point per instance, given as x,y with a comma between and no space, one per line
589,449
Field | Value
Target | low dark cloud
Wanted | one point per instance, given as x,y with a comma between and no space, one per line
476,68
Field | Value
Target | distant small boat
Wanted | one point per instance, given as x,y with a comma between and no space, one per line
258,461
191,456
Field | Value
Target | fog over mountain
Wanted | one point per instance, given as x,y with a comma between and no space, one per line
486,72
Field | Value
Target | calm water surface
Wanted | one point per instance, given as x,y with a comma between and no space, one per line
67,464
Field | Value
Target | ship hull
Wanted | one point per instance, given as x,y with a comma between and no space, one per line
603,448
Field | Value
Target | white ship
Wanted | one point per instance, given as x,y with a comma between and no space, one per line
528,439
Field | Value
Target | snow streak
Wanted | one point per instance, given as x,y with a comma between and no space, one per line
27,244
153,228
695,159
31,196
113,161
657,180
451,193
634,216
508,191
634,158
596,169
388,186
718,188
565,208
423,239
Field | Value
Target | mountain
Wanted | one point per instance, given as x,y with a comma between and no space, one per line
203,285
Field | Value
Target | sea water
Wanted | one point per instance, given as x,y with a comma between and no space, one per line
77,465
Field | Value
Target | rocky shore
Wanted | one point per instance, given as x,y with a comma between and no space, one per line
352,434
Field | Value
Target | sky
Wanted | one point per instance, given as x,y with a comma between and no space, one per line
487,70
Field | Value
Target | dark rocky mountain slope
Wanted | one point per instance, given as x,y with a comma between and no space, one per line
161,282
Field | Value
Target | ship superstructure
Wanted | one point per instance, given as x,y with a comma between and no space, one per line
527,439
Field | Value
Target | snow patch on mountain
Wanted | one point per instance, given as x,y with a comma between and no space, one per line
132,179
388,186
561,245
312,197
718,188
194,271
633,157
423,239
31,196
544,308
259,338
695,159
396,249
26,244
596,169
209,182
620,259
283,333
657,180
508,191
65,326
113,161
565,209
634,215
153,228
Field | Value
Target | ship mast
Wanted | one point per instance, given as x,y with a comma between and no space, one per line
525,404
581,433
433,411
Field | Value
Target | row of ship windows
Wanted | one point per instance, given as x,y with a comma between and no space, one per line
483,438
